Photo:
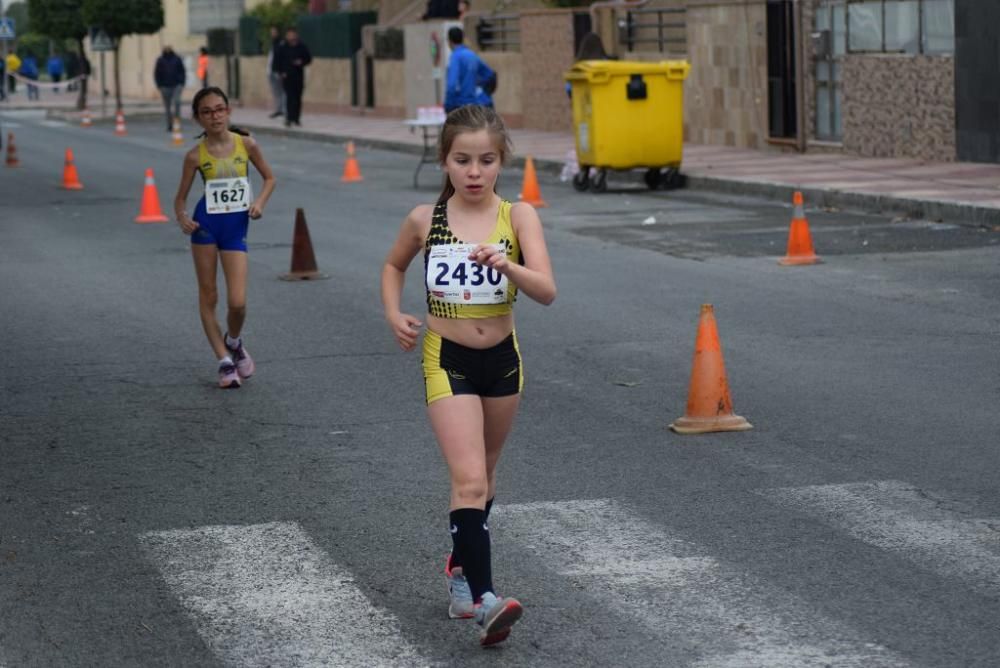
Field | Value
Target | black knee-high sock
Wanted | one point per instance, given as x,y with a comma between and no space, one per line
456,556
471,539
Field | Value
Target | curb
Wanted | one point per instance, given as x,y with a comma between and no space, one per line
959,213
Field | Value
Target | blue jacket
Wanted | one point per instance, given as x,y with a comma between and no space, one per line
55,66
466,72
29,68
169,71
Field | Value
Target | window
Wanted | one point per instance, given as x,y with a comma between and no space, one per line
901,26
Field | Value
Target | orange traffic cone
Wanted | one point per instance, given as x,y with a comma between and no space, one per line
150,211
176,136
71,181
529,191
303,259
85,120
709,407
800,243
120,123
352,173
12,160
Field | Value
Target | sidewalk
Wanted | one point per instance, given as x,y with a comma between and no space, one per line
966,193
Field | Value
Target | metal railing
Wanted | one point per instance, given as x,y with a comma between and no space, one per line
664,27
500,32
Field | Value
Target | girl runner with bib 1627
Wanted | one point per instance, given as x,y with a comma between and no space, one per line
218,227
479,251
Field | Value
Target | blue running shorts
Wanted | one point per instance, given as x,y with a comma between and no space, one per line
228,231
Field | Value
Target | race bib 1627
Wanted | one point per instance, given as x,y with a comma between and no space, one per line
227,195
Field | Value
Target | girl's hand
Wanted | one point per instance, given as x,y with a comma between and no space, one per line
490,255
188,226
256,210
405,328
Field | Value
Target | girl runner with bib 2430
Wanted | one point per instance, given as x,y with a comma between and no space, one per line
479,251
218,227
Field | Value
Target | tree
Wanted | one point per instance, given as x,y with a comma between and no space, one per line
279,14
61,20
119,18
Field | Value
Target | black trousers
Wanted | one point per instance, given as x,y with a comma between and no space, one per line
293,100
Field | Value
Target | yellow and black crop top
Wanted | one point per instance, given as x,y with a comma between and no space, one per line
441,234
233,166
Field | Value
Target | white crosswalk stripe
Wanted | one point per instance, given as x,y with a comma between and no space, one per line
266,595
899,518
680,592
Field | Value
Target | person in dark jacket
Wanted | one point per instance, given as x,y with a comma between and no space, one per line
170,76
273,75
293,56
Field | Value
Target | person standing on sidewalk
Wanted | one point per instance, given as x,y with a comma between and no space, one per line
293,56
29,70
274,75
13,65
219,225
467,73
203,67
55,69
479,251
170,76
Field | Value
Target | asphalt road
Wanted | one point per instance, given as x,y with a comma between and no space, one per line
150,519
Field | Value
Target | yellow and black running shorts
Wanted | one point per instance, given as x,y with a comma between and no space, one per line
451,368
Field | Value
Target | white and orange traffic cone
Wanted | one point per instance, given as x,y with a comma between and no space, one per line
149,211
120,123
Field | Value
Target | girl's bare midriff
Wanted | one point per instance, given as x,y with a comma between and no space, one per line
473,332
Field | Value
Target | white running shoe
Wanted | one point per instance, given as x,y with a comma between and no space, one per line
460,596
496,616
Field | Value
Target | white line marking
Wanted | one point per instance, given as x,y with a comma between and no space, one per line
266,595
696,603
899,518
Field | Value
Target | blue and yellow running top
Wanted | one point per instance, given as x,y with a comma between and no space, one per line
454,287
233,166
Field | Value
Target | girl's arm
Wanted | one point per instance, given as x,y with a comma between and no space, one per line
534,278
180,199
409,242
257,158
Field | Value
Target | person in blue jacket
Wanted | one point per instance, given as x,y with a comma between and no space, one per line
29,70
467,73
56,69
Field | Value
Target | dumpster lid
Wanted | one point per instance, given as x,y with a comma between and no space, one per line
601,70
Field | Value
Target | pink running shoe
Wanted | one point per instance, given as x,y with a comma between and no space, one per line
244,363
228,378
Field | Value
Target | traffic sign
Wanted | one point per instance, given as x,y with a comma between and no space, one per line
6,28
100,41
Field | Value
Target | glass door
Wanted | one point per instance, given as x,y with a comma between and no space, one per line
830,45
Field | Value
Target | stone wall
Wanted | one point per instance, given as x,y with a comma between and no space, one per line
899,106
726,92
390,89
508,99
328,83
547,52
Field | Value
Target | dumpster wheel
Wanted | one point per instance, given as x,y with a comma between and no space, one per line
666,178
599,181
581,180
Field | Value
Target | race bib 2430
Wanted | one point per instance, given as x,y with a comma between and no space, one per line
453,278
